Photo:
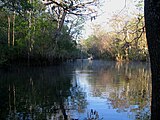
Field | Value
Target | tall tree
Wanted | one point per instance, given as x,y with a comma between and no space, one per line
9,29
152,22
13,29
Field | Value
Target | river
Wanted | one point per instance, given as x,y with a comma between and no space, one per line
79,90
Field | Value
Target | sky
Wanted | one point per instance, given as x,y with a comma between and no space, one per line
110,8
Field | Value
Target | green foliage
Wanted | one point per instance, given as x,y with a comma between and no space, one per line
16,5
34,37
3,58
3,29
91,46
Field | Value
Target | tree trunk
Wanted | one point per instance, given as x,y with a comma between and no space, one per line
152,23
60,25
9,29
13,32
30,34
29,39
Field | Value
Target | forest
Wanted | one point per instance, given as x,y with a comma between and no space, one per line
47,32
35,35
42,33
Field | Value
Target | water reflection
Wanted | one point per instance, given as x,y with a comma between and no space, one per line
80,90
38,94
117,87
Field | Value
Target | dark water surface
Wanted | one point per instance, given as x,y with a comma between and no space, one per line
80,90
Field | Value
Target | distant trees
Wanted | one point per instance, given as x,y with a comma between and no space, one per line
125,41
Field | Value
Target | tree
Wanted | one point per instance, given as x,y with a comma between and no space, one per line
27,33
60,9
152,23
125,42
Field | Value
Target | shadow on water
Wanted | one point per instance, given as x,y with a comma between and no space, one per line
38,94
80,90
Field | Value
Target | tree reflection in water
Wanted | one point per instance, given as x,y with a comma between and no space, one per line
106,89
135,91
125,86
39,94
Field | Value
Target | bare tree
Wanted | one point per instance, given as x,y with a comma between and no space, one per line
61,8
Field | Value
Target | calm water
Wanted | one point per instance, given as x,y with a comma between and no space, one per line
81,90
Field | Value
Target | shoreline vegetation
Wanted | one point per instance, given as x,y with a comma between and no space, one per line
39,61
33,36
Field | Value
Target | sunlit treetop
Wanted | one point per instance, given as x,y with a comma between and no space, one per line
75,7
